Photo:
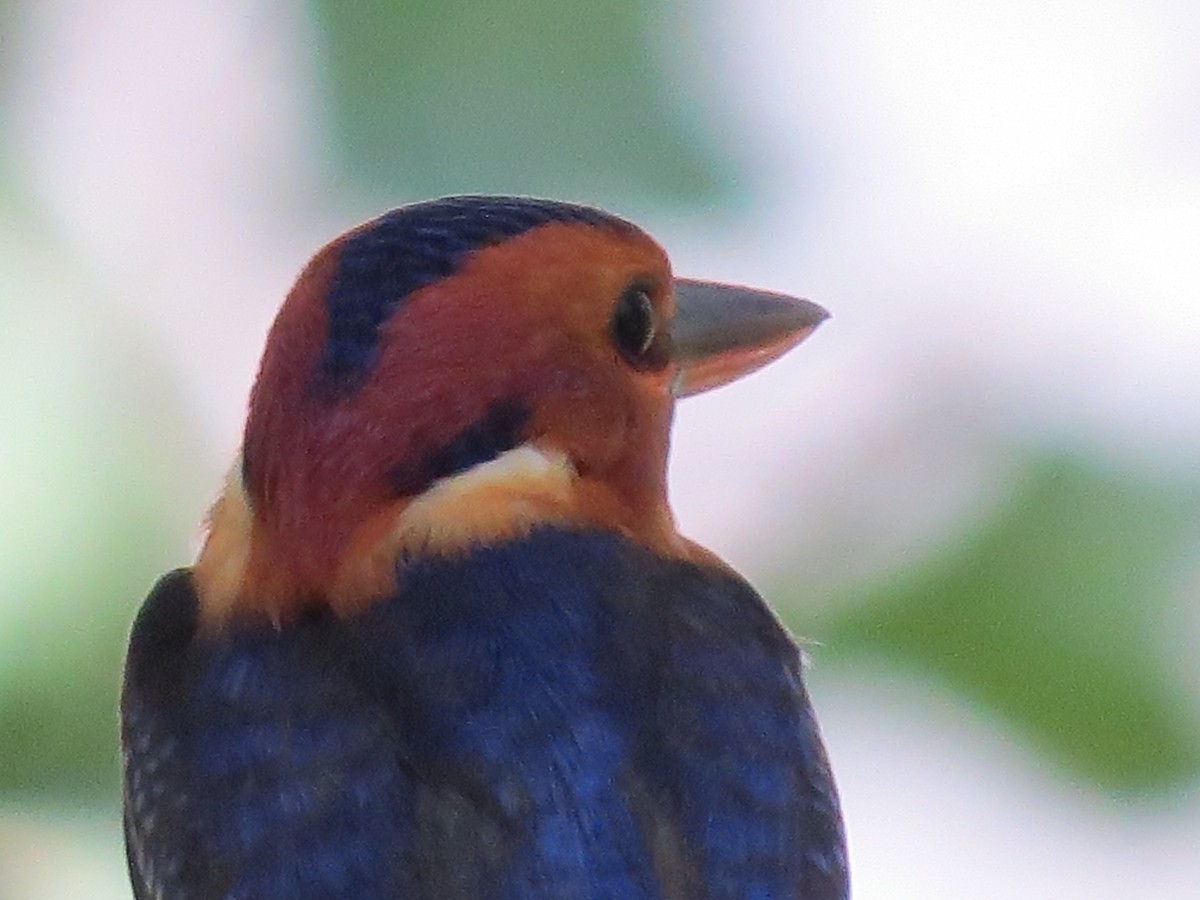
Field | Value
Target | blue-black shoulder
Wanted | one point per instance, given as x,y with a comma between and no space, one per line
445,723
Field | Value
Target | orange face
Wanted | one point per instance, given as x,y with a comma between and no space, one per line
533,384
531,322
526,325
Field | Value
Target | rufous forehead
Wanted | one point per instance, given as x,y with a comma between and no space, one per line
558,276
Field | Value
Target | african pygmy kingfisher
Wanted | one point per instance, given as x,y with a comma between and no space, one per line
443,639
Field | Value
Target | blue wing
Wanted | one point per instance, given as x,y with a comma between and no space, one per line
562,716
254,766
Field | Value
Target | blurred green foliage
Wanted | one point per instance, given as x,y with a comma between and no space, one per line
1052,616
549,97
90,463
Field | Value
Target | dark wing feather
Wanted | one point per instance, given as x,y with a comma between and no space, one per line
253,767
562,716
738,749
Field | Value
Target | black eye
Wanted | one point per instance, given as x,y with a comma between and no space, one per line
633,329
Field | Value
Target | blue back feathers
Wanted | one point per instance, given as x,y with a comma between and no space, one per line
414,246
562,716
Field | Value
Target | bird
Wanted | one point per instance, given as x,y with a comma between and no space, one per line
443,638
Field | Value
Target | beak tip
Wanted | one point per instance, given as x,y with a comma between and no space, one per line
812,313
724,331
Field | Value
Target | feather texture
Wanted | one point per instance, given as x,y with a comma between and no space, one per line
566,715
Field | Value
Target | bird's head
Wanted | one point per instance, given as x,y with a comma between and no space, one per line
461,371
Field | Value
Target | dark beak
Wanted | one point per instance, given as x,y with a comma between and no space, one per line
722,332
